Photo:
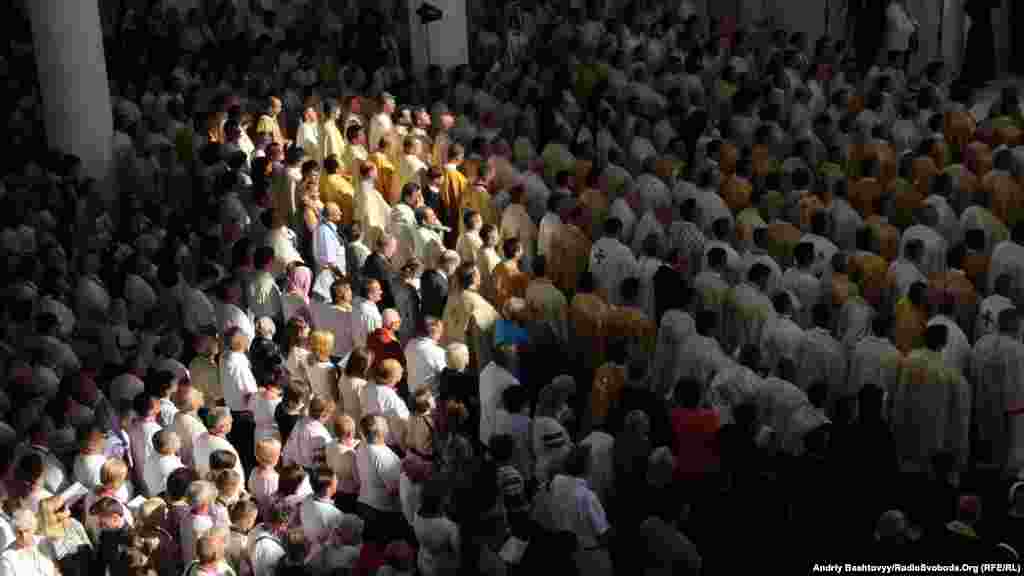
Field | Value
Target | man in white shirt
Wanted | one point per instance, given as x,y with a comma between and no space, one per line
611,262
318,515
231,311
142,430
215,439
494,379
23,557
310,437
379,470
365,315
164,461
187,424
425,358
267,541
239,386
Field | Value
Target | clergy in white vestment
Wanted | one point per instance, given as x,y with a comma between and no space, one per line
332,142
957,352
263,295
998,377
411,168
933,258
778,402
402,223
372,210
622,209
1008,258
992,306
801,282
824,248
308,137
611,262
381,124
931,407
711,287
677,326
875,361
736,385
516,223
653,193
702,356
748,308
821,357
758,254
855,317
647,265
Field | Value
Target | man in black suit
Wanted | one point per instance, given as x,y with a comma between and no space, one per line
434,284
378,266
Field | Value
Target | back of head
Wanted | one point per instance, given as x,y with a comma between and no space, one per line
935,337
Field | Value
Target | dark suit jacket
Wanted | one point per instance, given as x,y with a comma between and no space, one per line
378,267
433,293
407,302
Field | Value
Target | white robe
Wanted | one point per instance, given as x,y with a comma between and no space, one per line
998,378
957,353
855,317
1007,258
933,260
778,403
821,357
781,337
402,225
928,419
611,262
747,311
621,209
372,210
873,361
676,327
733,387
702,357
988,315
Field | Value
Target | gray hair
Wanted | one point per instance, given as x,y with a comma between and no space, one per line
265,327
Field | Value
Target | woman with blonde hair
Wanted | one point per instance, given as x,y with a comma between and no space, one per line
320,371
64,540
353,380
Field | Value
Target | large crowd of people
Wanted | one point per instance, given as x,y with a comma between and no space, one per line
685,299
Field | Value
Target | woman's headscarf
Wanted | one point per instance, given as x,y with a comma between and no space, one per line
300,278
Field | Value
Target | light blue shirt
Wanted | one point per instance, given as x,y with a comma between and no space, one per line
327,247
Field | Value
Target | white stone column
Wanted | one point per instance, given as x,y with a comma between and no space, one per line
444,42
68,43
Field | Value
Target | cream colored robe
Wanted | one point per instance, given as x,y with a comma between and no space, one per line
372,211
930,411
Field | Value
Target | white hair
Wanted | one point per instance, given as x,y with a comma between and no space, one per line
265,327
25,520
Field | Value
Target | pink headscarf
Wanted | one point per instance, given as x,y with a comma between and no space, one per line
299,281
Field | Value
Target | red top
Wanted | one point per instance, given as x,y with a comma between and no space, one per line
694,442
